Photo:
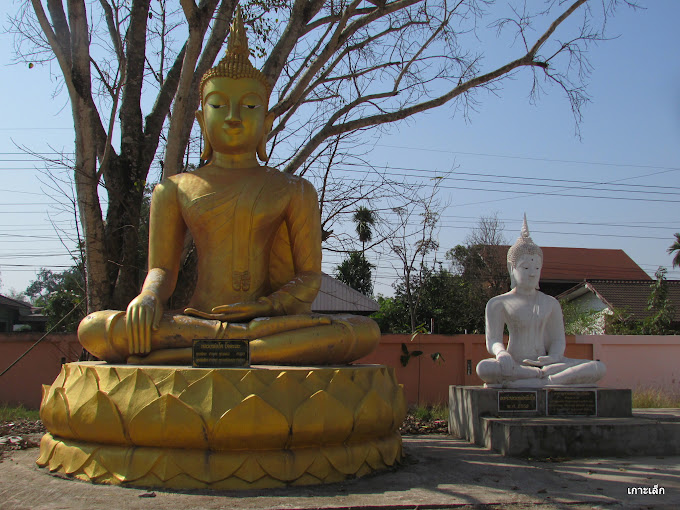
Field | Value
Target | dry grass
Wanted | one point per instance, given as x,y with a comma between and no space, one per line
655,398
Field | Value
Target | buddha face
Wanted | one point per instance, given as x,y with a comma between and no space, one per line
527,272
233,116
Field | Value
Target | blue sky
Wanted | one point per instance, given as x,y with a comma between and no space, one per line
630,136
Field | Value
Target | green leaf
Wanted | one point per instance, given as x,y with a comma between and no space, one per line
436,356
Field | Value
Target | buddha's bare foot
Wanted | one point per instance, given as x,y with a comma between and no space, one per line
180,356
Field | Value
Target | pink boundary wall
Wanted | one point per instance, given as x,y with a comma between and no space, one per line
426,381
637,362
632,362
22,384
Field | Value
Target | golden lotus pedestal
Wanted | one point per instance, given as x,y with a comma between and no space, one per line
235,428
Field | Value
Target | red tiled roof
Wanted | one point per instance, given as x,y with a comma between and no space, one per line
578,264
589,263
631,296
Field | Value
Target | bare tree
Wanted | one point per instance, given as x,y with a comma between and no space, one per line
414,244
481,263
488,243
339,68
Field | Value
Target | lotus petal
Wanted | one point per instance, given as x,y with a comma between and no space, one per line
255,382
194,374
225,464
346,459
61,378
363,378
169,423
211,396
343,388
93,469
286,465
195,462
47,444
134,392
286,393
108,378
373,418
321,468
166,467
127,463
373,457
251,425
235,483
98,420
184,481
45,394
74,457
174,384
307,479
382,384
81,390
250,471
55,415
399,407
321,419
390,448
318,379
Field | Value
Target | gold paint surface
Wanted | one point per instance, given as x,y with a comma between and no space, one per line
257,234
221,428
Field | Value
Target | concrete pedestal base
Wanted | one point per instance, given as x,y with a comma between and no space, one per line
476,414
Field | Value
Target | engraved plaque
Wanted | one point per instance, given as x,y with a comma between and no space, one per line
516,401
220,353
572,403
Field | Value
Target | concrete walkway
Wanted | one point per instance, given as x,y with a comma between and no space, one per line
439,472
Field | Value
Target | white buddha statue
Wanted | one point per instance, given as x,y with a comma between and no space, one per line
534,357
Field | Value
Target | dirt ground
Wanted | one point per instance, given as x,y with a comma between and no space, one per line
438,472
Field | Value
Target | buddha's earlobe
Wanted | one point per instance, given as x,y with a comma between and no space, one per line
207,148
262,146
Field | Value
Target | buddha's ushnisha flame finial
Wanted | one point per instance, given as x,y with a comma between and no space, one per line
523,246
235,63
525,227
238,41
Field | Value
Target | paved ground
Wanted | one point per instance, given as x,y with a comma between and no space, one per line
439,472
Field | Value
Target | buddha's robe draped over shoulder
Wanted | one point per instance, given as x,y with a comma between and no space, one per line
264,235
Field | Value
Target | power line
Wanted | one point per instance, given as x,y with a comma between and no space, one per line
529,158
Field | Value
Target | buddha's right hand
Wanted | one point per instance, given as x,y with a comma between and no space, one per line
143,314
506,362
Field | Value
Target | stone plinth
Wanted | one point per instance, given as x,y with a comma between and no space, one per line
254,427
589,421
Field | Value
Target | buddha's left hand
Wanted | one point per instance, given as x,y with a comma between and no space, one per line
235,312
542,361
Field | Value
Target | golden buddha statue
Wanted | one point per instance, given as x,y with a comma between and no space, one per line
258,238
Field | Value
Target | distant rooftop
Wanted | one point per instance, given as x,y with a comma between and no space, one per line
589,263
336,297
629,295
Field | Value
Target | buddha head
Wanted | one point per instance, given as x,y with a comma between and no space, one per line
234,101
525,259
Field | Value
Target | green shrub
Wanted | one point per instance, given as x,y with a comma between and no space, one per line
432,412
12,413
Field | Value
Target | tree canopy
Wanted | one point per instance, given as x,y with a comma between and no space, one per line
340,68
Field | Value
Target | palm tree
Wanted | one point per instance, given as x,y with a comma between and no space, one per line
675,247
365,219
